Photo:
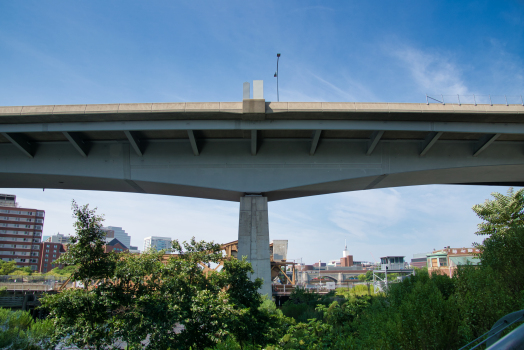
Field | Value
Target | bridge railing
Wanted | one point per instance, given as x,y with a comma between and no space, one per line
30,283
476,99
513,340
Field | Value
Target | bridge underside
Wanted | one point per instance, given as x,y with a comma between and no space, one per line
256,151
281,169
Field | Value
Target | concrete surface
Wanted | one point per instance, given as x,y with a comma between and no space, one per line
253,238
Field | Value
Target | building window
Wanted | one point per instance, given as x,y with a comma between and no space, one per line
34,260
443,262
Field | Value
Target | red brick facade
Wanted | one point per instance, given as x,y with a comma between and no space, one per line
49,253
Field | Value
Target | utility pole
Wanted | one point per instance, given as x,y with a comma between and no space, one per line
276,76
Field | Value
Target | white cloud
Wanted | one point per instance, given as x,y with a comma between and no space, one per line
432,71
366,214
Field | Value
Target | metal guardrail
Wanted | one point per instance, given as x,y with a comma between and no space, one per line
30,283
493,335
476,99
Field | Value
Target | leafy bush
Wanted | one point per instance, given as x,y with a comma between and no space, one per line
19,331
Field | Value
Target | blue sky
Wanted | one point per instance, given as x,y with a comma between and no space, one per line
65,52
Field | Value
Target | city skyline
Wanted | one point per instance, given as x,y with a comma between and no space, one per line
162,51
372,229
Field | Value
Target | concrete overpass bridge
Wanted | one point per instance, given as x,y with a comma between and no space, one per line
256,151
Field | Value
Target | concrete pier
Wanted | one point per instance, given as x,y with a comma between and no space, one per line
253,238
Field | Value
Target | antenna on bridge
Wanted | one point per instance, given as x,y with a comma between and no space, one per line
276,76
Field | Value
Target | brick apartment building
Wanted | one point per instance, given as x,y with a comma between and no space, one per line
49,253
20,233
115,245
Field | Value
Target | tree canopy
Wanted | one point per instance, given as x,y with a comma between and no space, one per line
152,300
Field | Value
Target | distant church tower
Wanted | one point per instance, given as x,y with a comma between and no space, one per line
345,252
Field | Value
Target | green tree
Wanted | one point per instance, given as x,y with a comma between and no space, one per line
171,302
503,249
502,213
21,332
7,267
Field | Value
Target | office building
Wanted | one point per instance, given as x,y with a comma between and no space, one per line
119,234
20,233
157,243
58,238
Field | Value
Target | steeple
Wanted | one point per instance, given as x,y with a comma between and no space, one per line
345,252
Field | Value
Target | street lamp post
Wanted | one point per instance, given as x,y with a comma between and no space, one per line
276,76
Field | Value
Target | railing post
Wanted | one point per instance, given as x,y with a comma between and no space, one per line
474,99
458,98
490,102
506,100
427,101
444,103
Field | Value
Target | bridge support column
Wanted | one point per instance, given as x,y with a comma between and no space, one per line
253,238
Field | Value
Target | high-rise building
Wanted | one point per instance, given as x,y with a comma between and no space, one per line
119,234
157,243
20,233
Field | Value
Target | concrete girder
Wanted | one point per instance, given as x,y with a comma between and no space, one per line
254,142
484,142
193,142
370,125
429,141
21,143
314,141
373,141
135,142
77,143
281,169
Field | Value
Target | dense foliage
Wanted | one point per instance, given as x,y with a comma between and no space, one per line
156,301
18,331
